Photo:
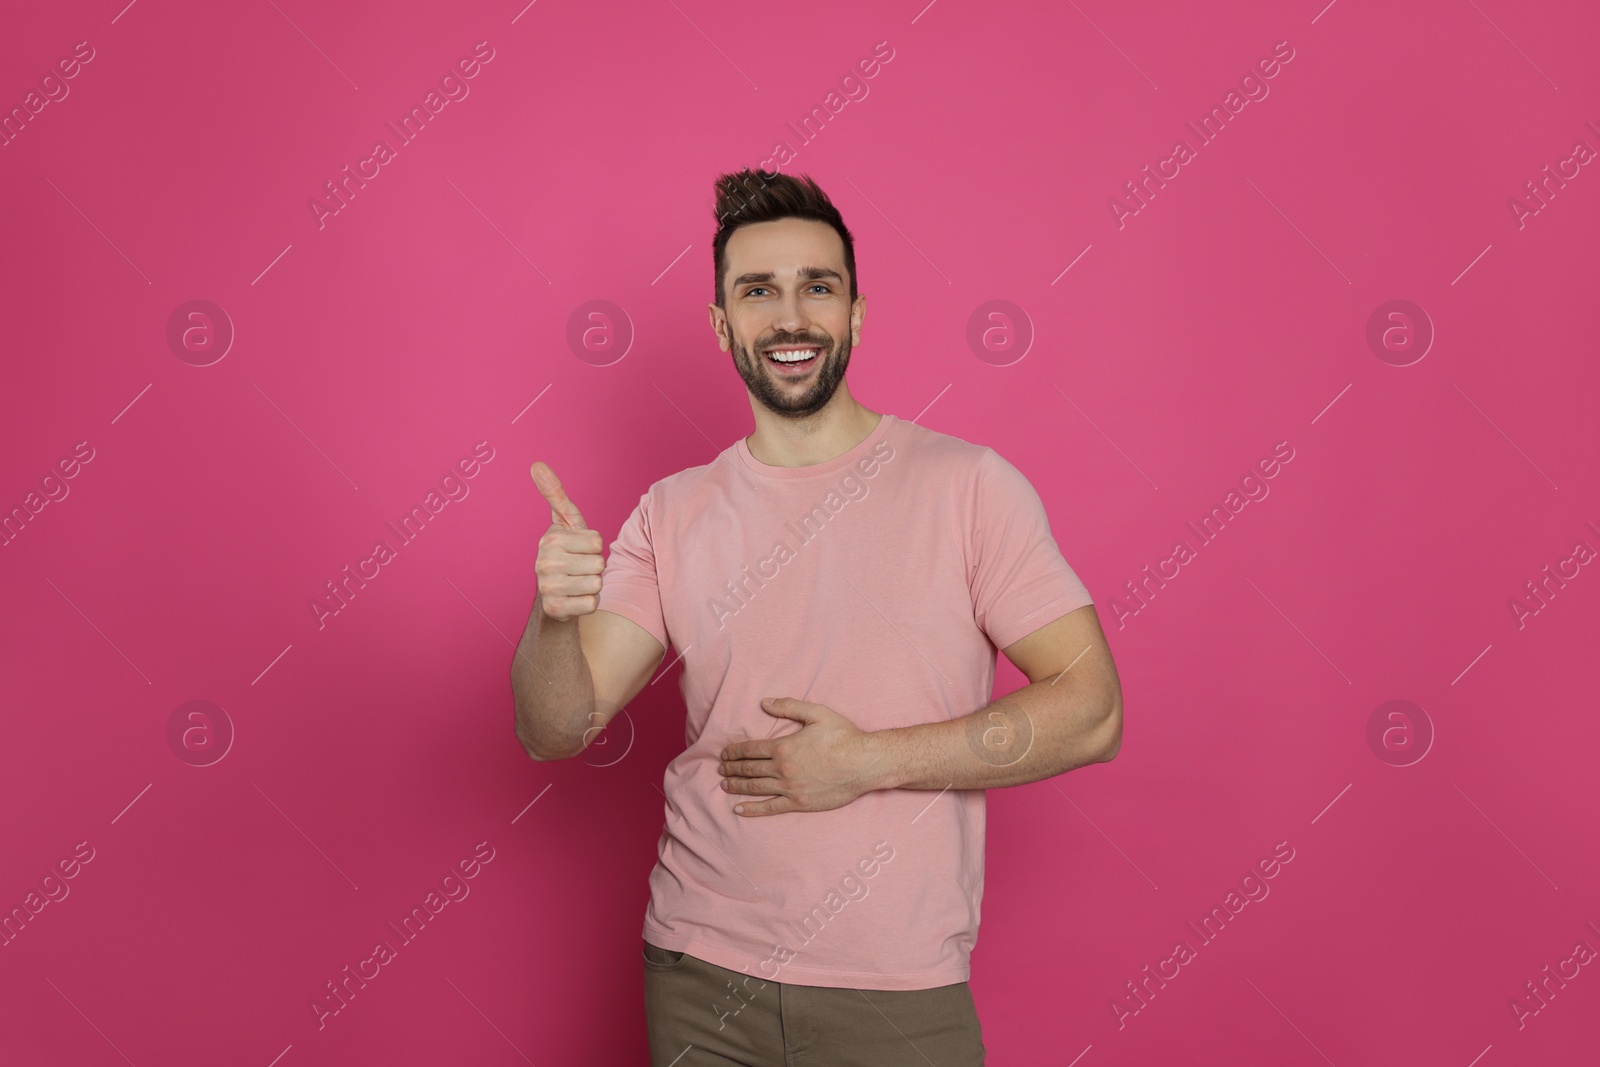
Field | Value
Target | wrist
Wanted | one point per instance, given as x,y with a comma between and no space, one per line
879,767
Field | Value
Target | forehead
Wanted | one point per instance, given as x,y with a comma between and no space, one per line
783,247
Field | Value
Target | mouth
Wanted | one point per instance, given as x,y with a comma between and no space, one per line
793,360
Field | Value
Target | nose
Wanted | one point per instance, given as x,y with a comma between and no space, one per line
791,317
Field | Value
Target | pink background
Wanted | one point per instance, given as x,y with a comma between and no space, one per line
1230,313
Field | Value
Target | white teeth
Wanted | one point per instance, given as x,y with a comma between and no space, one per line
795,356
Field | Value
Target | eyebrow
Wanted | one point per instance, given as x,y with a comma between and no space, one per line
806,274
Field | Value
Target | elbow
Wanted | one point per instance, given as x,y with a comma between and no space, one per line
534,754
543,755
1112,731
540,749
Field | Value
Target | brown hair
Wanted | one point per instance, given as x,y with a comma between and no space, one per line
748,196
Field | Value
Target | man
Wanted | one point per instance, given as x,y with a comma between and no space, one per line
836,585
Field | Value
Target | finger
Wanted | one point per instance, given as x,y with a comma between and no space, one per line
776,806
758,749
756,787
576,542
563,511
569,585
747,768
578,560
567,607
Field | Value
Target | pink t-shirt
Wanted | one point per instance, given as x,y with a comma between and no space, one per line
880,583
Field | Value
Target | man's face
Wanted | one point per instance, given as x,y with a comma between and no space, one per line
785,288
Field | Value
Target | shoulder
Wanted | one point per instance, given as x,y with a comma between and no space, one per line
943,451
685,492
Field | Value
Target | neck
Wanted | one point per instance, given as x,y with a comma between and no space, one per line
780,441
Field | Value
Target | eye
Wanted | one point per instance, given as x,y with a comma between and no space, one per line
752,290
820,285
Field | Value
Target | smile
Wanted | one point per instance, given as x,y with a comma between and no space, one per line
793,357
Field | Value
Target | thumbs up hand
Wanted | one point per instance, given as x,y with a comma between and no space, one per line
570,562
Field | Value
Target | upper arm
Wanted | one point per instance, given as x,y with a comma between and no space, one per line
1072,651
621,655
627,636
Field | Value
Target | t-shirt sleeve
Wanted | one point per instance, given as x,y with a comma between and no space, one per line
1019,579
629,584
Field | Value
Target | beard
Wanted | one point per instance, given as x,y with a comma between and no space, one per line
795,400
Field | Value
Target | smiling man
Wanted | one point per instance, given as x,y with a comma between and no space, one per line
837,585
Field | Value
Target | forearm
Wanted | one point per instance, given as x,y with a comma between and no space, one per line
1037,732
552,687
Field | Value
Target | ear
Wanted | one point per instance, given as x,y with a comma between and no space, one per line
719,326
